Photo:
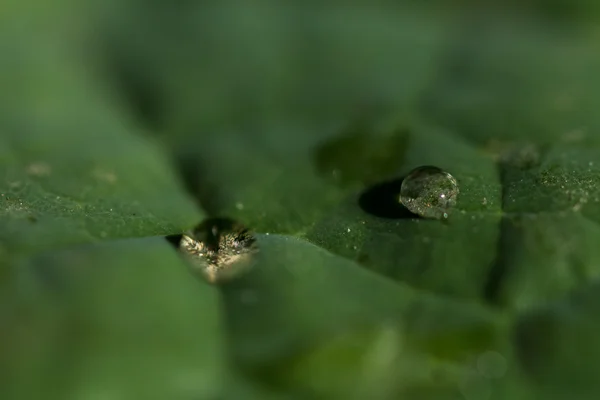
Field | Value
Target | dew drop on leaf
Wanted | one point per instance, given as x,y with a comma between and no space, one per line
219,248
429,192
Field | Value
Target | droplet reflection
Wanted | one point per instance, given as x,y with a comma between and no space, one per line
219,248
429,192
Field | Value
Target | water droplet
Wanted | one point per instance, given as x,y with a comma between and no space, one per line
219,248
429,192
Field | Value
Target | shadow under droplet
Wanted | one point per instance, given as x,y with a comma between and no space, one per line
383,200
174,240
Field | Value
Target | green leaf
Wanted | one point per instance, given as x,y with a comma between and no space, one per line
526,96
303,311
510,113
558,344
119,320
112,320
299,121
74,168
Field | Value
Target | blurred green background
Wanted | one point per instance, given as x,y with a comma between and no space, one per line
124,121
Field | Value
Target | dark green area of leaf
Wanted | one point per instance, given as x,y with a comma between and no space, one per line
361,156
299,121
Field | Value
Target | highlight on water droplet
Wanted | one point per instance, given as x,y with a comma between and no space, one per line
219,248
429,192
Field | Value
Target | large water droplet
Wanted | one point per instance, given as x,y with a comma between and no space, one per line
429,192
219,248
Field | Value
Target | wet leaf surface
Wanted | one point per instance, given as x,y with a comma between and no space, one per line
123,122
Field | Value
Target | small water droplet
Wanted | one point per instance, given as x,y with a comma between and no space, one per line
429,192
219,248
348,230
